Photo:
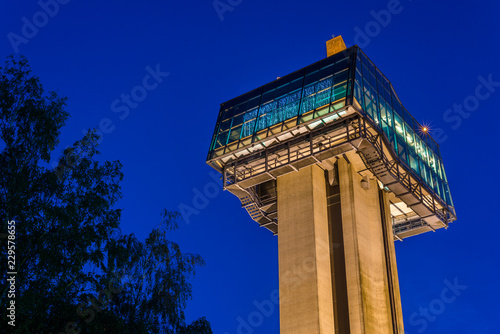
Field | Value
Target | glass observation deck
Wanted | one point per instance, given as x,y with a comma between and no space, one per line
329,94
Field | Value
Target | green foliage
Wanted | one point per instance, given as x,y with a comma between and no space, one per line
74,273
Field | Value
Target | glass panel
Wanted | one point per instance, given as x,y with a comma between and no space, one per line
321,112
291,110
306,117
413,161
398,125
396,106
245,142
282,102
221,139
423,171
339,105
224,126
235,134
276,116
385,113
261,123
311,89
402,150
323,98
260,135
275,129
282,90
339,92
340,77
267,96
324,84
410,136
290,123
307,104
296,84
357,92
248,128
237,120
294,96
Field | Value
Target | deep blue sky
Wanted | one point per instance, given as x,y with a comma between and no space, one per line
433,52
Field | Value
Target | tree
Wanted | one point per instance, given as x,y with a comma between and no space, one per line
64,220
145,285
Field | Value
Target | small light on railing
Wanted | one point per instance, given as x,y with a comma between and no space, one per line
424,129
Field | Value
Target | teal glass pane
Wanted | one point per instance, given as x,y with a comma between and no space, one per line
398,125
237,120
386,113
323,98
234,134
357,92
276,116
248,128
324,84
448,195
221,139
224,126
291,110
261,123
386,128
396,106
358,77
339,92
282,102
340,77
402,150
265,108
392,139
432,162
294,96
423,171
307,104
414,163
311,89
409,136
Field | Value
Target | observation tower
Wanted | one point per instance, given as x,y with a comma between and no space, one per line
328,159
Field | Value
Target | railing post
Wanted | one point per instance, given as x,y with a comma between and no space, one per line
359,127
224,177
311,143
267,166
364,126
235,178
347,131
288,148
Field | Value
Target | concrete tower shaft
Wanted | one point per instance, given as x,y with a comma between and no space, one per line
336,253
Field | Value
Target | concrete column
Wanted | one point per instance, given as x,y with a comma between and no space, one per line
398,309
306,302
368,286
